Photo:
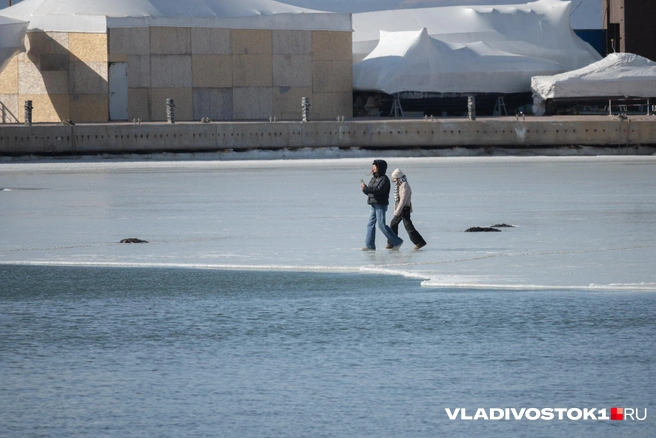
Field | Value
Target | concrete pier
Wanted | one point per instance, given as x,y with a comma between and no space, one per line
637,132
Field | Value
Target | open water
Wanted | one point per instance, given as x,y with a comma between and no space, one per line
251,312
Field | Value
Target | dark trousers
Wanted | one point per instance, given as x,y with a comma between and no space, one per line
409,227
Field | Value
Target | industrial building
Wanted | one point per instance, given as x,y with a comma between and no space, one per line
629,26
99,61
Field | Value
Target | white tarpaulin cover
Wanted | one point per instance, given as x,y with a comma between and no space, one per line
413,61
466,44
98,15
618,74
12,33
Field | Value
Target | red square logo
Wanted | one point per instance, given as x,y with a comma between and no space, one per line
617,413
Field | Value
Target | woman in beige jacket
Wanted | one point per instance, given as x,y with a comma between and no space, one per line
403,208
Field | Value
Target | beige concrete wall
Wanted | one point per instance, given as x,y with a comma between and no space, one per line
63,74
225,74
182,98
252,42
291,42
89,108
252,70
287,102
9,78
332,75
9,93
539,135
34,81
129,41
51,108
9,108
87,47
170,71
332,46
252,103
206,41
44,43
88,78
139,103
212,71
138,71
292,70
170,41
215,103
242,74
88,87
331,105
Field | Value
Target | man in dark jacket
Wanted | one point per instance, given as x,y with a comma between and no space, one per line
377,192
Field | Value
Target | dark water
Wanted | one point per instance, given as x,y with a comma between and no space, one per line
112,352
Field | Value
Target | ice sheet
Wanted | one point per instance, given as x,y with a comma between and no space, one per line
580,222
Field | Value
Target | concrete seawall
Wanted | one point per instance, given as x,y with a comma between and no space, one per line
507,132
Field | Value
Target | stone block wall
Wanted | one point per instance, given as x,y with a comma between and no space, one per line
63,74
234,74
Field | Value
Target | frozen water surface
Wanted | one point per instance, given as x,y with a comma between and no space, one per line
580,222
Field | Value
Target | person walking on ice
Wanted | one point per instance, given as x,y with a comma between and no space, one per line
402,210
377,192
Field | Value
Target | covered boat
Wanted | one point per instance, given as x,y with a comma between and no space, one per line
413,61
464,49
619,75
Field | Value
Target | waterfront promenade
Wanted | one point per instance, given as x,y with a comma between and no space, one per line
630,135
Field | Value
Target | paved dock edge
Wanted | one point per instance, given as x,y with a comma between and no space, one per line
509,133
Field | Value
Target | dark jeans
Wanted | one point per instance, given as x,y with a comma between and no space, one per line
409,227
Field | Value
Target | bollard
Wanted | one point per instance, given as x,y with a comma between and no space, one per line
305,105
471,107
28,113
170,112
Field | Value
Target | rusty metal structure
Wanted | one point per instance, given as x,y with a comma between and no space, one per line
629,26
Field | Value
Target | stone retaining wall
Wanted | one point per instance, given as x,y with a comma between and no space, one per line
393,134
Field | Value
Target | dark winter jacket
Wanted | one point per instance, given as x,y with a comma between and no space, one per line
378,189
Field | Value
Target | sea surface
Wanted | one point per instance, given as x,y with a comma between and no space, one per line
252,312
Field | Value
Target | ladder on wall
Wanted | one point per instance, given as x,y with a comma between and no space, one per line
500,107
396,106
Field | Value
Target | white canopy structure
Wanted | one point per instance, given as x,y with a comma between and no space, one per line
95,16
12,33
617,75
463,49
413,61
